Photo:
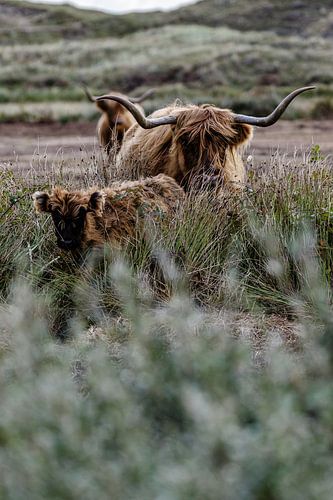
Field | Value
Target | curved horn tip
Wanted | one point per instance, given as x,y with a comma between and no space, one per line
266,121
303,89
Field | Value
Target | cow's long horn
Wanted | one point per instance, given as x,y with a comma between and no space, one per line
266,121
145,95
88,94
138,115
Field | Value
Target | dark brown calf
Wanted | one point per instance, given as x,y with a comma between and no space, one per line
114,214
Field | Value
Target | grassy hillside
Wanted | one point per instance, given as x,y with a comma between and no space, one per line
285,17
24,21
201,64
35,23
48,50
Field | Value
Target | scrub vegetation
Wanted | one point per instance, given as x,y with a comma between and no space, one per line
198,357
196,363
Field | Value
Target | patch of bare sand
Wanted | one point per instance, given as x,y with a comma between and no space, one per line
20,142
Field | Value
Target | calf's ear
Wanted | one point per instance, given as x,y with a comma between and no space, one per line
41,201
97,202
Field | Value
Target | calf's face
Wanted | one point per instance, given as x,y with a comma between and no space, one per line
69,214
69,228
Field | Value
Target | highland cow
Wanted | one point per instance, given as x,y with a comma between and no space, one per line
192,144
115,119
114,214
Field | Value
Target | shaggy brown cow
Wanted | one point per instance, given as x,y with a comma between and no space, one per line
115,119
83,219
191,142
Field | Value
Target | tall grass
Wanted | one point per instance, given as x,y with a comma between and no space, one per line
210,240
198,362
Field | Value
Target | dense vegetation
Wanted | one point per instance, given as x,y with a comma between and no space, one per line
197,364
209,239
201,357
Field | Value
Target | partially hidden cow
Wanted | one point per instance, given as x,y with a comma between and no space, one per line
200,144
89,218
115,119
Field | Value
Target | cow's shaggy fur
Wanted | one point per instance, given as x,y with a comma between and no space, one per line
113,214
203,144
